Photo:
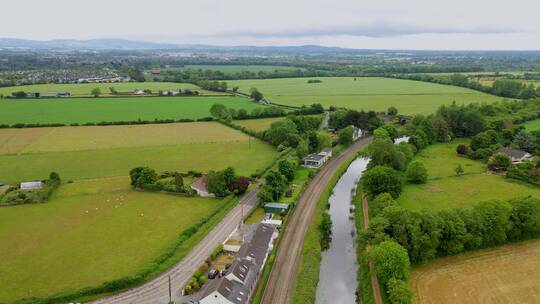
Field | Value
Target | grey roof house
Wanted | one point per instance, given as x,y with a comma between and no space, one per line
517,156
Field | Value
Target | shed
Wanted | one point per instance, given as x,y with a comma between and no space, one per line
31,185
276,208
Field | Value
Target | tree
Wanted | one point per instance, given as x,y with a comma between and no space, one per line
398,291
146,176
134,175
286,168
392,110
390,261
462,149
499,162
282,132
345,136
324,139
393,133
178,180
484,140
416,173
240,185
255,94
524,141
113,91
459,170
55,177
235,89
313,141
220,111
215,183
381,179
95,92
325,228
380,202
385,153
302,149
276,183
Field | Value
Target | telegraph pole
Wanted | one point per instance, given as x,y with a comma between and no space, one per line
170,297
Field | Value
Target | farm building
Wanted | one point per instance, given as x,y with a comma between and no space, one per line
517,156
31,185
276,208
239,283
317,160
200,186
56,94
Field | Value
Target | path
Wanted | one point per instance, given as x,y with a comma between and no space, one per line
283,275
156,291
374,282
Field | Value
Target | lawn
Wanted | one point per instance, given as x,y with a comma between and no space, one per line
505,274
262,124
445,190
533,125
94,152
83,110
410,97
89,232
84,89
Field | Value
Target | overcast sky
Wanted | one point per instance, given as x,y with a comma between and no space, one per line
389,24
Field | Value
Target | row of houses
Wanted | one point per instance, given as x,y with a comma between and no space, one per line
237,286
40,95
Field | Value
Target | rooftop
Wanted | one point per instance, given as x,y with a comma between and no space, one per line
515,153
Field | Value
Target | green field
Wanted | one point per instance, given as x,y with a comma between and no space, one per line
445,190
230,69
533,125
83,110
94,152
262,124
88,233
410,97
84,89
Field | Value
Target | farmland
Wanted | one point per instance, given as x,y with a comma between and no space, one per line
90,232
94,152
410,97
257,124
445,190
84,110
506,274
230,69
83,89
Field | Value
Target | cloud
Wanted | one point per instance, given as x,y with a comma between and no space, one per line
375,30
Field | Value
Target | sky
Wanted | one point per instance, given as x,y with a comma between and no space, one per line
374,24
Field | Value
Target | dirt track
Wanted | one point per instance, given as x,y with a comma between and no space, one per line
282,278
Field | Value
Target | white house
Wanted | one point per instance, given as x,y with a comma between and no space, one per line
517,156
31,185
317,160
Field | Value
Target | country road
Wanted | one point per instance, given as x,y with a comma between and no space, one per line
283,275
157,290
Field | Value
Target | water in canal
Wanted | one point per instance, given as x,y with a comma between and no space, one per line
337,279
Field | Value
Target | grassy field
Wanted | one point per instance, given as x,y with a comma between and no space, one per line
378,94
230,69
446,190
506,274
84,89
83,110
89,232
262,124
532,125
94,152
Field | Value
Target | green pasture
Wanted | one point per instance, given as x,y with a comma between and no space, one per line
368,93
84,89
90,232
445,190
262,124
83,110
533,125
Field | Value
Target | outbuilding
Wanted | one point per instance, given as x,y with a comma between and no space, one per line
31,185
278,208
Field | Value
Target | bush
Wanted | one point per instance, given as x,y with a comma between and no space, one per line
392,111
325,228
390,261
398,291
462,149
417,173
381,179
380,202
499,162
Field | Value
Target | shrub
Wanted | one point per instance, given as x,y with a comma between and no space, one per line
381,179
392,111
499,161
417,173
462,149
325,228
398,291
390,261
380,202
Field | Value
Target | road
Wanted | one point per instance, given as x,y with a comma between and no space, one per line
156,291
283,275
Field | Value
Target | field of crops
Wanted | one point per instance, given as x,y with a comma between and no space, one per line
83,110
378,94
94,152
84,89
506,274
445,190
90,232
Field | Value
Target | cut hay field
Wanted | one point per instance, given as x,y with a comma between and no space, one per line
84,89
84,110
230,69
410,97
533,125
257,124
108,151
506,274
445,190
90,232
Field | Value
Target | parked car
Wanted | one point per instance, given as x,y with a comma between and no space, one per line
212,274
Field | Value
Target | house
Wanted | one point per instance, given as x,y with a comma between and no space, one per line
357,133
317,160
517,156
56,94
200,186
238,285
276,208
31,185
